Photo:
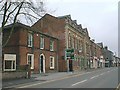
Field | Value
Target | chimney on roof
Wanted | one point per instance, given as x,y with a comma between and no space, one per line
75,21
106,47
93,40
80,26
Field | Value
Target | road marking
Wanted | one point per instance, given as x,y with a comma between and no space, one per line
36,84
79,82
51,80
94,76
88,72
24,86
102,73
118,87
108,71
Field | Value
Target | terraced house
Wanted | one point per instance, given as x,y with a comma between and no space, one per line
47,46
71,36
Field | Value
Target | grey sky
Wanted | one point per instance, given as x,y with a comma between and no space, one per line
99,16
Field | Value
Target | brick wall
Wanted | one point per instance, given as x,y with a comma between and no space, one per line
54,27
18,45
13,75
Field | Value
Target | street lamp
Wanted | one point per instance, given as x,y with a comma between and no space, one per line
79,51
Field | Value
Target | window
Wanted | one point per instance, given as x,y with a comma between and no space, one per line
30,40
76,44
51,62
79,47
73,43
51,45
9,62
69,41
41,42
30,60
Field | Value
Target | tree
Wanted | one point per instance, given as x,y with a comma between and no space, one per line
27,11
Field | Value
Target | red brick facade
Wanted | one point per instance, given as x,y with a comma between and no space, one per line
18,44
65,33
55,27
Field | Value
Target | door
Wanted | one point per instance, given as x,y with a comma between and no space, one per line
70,65
42,63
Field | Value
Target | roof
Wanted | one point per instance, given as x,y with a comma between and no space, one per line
65,16
17,24
43,18
27,28
100,44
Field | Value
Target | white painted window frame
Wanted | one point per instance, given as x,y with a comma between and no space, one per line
32,61
30,40
42,40
53,62
12,63
51,45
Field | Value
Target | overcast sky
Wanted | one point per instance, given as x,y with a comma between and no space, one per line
100,17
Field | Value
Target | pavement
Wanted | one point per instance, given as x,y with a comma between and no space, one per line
42,77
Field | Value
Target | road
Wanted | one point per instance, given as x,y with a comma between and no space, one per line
102,78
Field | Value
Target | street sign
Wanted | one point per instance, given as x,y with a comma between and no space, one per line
69,53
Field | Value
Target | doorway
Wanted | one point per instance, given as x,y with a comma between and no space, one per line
70,65
42,63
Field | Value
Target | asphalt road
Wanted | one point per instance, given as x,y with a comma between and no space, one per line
103,78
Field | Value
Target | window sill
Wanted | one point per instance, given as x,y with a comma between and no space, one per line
30,46
9,69
51,68
41,48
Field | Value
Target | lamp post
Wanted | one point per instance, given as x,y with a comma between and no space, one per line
80,50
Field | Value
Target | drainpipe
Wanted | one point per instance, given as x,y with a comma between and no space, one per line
57,55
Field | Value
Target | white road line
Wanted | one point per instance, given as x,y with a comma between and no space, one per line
102,73
94,76
52,80
79,82
88,72
108,71
55,80
35,84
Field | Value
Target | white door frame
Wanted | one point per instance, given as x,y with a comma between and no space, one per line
43,62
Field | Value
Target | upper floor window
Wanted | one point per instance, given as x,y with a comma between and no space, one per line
51,45
80,44
73,43
69,41
41,42
76,44
30,40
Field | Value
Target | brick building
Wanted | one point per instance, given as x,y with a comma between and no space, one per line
109,57
100,57
44,45
70,36
97,59
29,46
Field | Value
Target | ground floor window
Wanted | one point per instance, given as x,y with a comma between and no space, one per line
9,62
51,62
30,60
